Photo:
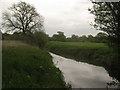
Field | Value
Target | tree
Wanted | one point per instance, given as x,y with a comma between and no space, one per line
107,19
101,37
59,37
41,39
25,24
75,37
22,18
83,38
90,38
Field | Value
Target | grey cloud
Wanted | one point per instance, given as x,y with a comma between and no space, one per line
70,23
73,20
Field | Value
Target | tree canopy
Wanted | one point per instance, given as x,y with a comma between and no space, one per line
25,24
99,38
22,17
59,37
107,19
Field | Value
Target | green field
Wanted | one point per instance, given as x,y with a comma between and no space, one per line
95,53
29,67
78,44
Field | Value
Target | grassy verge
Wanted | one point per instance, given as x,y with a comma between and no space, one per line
29,67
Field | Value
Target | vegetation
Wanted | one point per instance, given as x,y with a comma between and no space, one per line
37,39
22,17
94,53
99,38
58,37
25,24
25,66
81,51
107,19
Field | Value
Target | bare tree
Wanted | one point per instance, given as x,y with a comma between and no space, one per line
22,17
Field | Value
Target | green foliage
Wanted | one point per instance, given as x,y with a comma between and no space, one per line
91,38
73,38
25,24
58,37
83,38
90,52
107,19
99,38
22,17
41,39
29,67
37,38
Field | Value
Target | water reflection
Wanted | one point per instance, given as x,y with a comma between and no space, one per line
82,75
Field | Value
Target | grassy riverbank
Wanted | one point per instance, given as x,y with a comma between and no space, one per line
94,53
25,66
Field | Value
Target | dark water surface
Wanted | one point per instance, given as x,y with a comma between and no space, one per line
83,75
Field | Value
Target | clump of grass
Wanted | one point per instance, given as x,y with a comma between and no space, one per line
29,67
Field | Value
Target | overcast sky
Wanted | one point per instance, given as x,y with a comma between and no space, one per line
68,16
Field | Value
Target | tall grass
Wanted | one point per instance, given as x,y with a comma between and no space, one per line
29,67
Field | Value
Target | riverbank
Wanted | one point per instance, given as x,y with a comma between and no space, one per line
25,66
93,53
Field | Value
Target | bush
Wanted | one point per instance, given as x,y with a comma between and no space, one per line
40,39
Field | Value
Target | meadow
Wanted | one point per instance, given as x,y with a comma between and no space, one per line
94,53
25,66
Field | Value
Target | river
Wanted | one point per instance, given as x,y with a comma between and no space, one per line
83,75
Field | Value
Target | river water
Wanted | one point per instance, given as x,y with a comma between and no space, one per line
83,75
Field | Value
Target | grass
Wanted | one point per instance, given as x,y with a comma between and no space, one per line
25,66
94,53
78,44
12,43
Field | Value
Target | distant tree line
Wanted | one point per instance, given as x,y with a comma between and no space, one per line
99,38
